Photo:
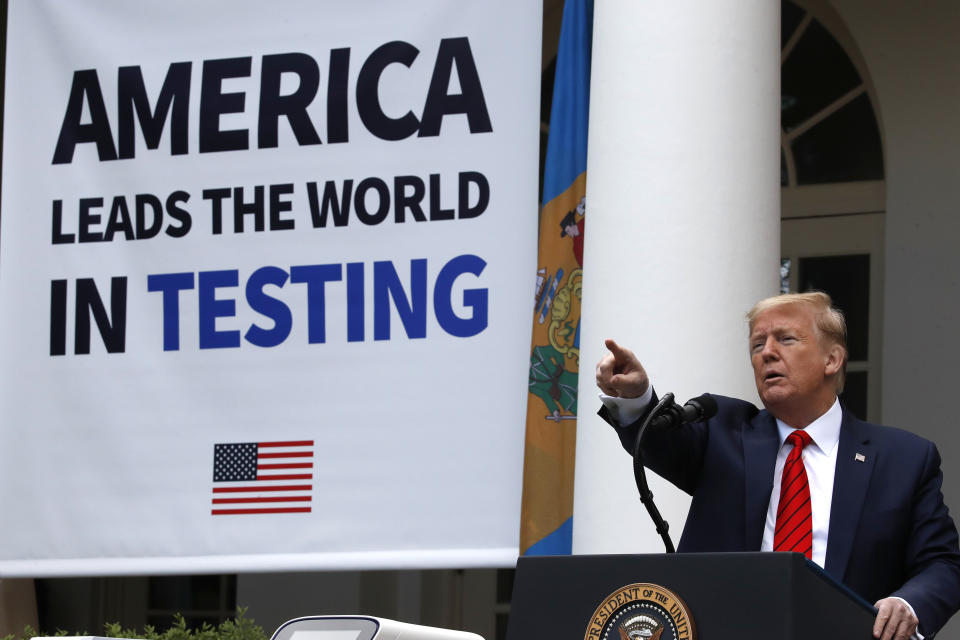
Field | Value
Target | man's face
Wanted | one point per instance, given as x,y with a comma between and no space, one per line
789,366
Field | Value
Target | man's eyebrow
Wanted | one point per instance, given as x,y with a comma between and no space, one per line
772,330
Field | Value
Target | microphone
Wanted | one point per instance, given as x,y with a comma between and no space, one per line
673,415
695,410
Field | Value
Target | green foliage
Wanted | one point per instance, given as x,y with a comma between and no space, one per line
238,628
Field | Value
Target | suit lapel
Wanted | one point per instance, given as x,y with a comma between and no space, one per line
855,459
760,444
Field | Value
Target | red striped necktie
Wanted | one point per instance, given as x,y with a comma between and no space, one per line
794,530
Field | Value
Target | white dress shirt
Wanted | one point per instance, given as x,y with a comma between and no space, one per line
820,462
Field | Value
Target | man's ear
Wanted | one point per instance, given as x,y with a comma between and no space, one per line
834,360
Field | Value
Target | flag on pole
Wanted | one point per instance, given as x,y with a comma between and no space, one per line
547,510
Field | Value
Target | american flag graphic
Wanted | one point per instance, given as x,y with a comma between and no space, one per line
262,477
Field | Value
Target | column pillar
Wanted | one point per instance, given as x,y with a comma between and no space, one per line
682,231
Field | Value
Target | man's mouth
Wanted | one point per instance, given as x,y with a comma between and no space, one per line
772,376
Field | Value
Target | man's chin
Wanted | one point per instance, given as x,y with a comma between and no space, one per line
774,400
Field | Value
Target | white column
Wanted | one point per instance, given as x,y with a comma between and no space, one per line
683,219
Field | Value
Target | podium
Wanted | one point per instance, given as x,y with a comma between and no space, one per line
705,596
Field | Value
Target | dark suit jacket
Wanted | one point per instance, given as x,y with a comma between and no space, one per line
890,533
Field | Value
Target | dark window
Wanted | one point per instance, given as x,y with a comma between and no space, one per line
505,579
546,90
847,280
208,598
505,584
546,106
854,396
816,73
790,17
844,147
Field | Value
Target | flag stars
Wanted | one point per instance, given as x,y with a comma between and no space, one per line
233,462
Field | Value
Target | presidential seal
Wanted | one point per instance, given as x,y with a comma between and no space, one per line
641,611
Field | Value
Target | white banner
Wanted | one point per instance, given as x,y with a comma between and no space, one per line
265,278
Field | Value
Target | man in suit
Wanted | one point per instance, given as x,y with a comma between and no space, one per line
870,511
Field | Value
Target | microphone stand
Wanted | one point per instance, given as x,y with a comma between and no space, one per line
640,476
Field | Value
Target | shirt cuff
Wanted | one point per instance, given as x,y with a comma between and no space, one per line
625,411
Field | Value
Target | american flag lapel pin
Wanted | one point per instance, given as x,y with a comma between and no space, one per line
860,457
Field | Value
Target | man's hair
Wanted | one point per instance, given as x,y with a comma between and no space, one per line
829,321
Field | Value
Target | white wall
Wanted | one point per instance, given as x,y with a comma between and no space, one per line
913,55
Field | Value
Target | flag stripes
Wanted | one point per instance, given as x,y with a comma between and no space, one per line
234,512
268,499
295,465
291,487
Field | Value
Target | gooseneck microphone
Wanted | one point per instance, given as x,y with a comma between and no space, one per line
695,410
665,415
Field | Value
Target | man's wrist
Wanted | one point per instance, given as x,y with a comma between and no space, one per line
625,411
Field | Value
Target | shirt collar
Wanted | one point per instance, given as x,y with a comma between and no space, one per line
824,431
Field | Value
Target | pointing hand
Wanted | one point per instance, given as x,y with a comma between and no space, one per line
620,374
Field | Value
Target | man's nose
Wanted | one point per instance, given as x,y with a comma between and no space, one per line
769,351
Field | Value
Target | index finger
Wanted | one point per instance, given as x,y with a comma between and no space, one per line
618,352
